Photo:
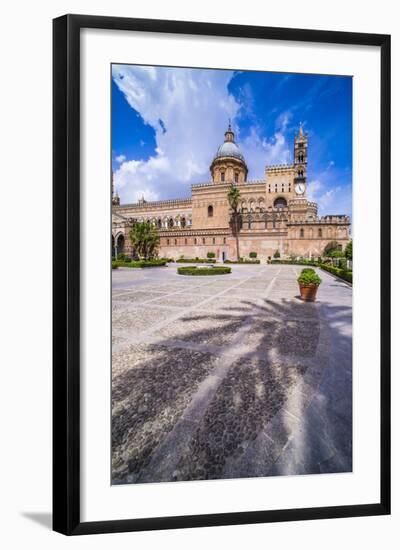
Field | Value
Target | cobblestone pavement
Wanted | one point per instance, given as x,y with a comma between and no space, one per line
232,376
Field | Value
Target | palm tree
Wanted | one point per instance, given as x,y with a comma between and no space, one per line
145,240
233,199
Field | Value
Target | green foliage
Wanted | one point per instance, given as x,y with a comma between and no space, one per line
193,270
210,254
141,263
233,197
145,239
308,276
332,250
295,262
277,254
127,259
348,251
166,260
113,259
196,261
242,261
121,256
336,254
341,273
253,255
114,265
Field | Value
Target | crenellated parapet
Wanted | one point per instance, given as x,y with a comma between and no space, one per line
278,167
340,219
155,204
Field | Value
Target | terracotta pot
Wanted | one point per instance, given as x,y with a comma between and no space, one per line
308,292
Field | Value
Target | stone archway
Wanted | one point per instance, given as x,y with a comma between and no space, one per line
120,244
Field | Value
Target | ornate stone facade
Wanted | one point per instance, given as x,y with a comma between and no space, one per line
275,212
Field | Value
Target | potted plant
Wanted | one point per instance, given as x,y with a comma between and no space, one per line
309,282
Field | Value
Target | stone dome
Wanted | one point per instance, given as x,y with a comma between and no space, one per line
229,149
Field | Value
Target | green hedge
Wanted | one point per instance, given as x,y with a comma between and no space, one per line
114,265
242,262
195,261
190,270
295,262
210,254
339,272
140,263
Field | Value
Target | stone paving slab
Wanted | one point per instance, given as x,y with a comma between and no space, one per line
229,377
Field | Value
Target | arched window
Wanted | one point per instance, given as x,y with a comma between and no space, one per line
195,241
301,233
236,177
319,232
213,240
159,223
204,241
183,222
210,211
280,202
170,222
222,176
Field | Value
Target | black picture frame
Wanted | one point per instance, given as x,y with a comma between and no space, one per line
66,273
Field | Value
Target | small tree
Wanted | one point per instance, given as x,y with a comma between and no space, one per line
277,254
330,248
253,255
348,251
145,239
233,199
210,254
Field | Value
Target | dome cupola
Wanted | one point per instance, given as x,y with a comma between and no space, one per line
228,164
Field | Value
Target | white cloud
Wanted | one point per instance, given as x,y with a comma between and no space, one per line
120,158
194,107
331,199
259,151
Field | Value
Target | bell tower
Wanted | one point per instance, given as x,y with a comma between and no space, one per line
300,161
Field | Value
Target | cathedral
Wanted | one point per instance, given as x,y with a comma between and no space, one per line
275,214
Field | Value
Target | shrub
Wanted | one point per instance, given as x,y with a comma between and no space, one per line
141,263
210,254
348,251
114,265
193,270
277,254
338,272
309,277
196,261
336,254
253,255
113,259
242,262
127,259
295,262
121,256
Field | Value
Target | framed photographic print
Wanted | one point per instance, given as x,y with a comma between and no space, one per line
220,356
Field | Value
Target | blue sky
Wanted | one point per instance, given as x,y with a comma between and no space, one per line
167,124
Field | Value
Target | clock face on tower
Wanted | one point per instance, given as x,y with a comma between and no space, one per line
299,188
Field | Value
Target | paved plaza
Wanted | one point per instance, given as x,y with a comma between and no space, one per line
229,376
